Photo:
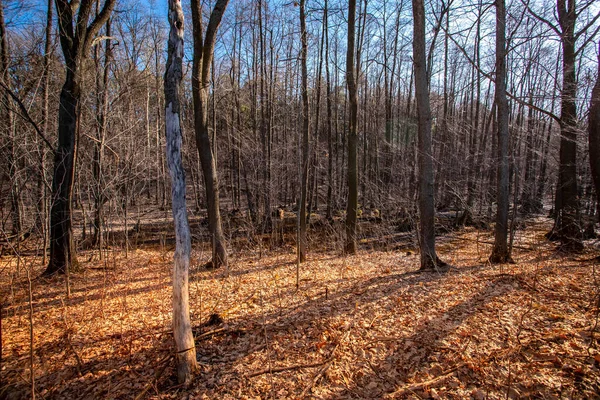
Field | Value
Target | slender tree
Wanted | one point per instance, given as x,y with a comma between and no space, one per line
204,44
77,35
99,144
567,215
185,349
305,133
594,136
7,118
500,252
352,205
429,259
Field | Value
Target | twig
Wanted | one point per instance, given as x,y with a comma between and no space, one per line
416,386
290,368
326,365
157,375
210,333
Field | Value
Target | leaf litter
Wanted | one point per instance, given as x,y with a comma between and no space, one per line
364,326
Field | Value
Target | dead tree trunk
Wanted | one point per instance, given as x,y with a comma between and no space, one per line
185,349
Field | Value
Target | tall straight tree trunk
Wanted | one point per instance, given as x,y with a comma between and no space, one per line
429,259
43,192
102,107
264,119
500,252
8,122
328,212
305,134
594,136
185,350
352,205
567,226
76,38
204,45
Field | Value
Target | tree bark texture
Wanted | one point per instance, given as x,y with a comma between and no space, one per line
429,259
185,356
352,205
567,227
500,252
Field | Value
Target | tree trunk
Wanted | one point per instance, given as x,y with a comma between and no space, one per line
305,135
594,137
567,226
351,209
500,252
429,259
8,122
203,54
75,43
185,356
102,107
62,248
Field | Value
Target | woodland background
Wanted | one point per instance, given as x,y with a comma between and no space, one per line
270,153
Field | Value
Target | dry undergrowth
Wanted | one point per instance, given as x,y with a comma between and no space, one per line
367,326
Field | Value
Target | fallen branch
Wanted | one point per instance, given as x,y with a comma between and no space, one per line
290,368
326,364
488,242
416,386
210,333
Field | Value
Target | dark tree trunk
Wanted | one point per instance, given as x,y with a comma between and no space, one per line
352,205
429,259
62,247
567,226
594,137
500,252
305,135
7,119
102,107
76,38
203,54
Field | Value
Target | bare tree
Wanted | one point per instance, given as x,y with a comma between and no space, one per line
352,206
305,134
500,252
185,350
594,135
204,45
567,214
76,38
7,119
429,259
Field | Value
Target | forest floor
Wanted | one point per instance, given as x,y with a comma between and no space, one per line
365,326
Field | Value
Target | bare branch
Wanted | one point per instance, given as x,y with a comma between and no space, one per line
25,115
542,19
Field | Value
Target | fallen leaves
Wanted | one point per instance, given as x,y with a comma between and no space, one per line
361,326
